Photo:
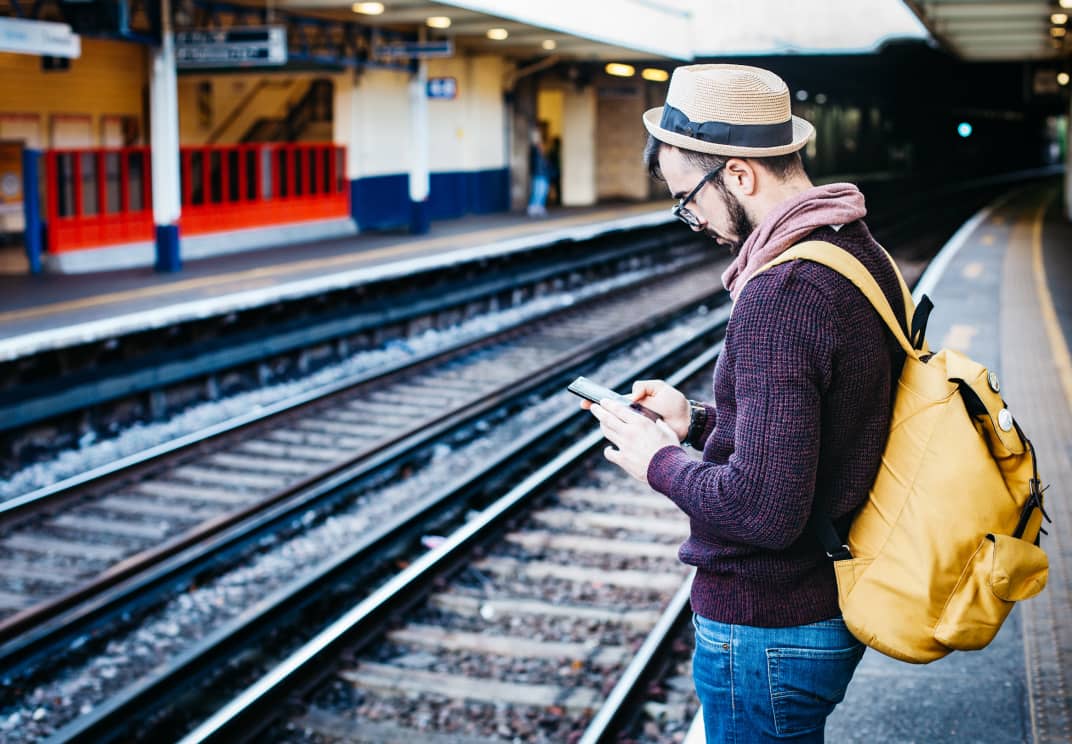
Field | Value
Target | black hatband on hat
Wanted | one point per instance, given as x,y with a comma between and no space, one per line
721,133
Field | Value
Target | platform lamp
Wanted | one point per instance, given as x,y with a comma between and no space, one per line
1059,17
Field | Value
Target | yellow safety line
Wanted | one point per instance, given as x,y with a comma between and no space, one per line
1059,349
329,262
1063,361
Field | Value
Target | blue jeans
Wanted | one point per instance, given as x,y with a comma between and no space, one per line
771,684
538,198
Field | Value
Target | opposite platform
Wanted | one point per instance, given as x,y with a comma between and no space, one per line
38,313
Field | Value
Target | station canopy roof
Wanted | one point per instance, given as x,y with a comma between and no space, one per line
993,30
620,29
578,29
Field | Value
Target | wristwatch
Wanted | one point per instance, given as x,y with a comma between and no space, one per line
697,425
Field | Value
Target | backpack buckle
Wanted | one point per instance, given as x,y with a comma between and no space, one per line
841,554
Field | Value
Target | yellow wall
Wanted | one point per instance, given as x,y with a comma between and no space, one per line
550,103
620,139
579,147
109,79
372,118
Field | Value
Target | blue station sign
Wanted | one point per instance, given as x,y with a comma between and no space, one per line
443,88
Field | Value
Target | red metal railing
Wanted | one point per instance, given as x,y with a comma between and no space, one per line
232,187
102,197
98,197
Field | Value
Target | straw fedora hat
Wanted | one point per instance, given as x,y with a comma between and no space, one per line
731,110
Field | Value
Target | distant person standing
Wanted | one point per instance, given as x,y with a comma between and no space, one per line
554,160
540,172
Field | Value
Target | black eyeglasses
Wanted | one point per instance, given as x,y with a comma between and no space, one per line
681,211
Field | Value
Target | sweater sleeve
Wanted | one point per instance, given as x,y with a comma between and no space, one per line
781,345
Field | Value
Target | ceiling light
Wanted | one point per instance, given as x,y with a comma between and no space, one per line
802,95
1066,3
1059,19
1062,78
368,8
655,75
498,34
549,44
619,70
438,22
1057,32
820,98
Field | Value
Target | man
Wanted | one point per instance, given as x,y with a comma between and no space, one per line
539,169
802,401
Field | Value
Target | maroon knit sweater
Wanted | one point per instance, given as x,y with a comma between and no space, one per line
802,406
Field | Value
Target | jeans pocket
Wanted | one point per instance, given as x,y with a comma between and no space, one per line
806,684
710,633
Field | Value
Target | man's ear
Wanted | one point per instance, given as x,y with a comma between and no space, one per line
741,176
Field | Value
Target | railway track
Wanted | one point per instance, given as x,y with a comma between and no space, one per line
368,526
542,619
529,638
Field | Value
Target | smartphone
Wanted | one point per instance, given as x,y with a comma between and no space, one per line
595,392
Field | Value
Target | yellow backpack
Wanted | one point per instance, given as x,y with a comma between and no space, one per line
947,541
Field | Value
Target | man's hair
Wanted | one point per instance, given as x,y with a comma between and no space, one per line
782,166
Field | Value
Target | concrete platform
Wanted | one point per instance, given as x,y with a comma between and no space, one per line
51,311
1002,289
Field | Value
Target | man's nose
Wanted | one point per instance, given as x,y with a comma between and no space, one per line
700,226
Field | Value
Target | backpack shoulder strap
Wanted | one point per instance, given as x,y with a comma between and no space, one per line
906,293
819,522
849,266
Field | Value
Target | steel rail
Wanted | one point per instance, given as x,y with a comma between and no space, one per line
620,703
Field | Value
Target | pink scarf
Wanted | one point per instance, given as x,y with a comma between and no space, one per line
832,204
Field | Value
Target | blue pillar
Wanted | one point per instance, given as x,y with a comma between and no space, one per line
419,224
167,248
31,207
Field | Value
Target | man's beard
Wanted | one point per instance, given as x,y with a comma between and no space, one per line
742,225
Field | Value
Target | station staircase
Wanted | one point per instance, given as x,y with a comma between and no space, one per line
274,110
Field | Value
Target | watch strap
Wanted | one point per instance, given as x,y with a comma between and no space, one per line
697,425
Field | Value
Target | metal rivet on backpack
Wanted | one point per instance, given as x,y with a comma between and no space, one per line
1005,419
992,381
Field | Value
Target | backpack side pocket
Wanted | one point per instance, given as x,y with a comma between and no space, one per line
1002,571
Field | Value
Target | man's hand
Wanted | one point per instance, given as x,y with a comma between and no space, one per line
636,437
666,401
